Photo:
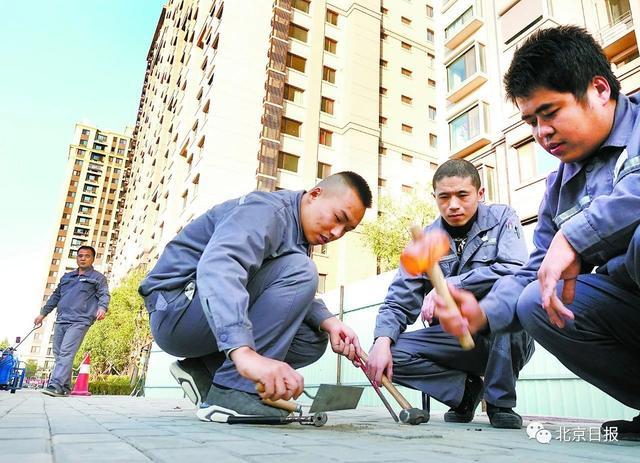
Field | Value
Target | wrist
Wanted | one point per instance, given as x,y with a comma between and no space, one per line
383,341
240,353
330,324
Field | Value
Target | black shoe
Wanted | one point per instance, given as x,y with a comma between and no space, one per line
626,430
222,403
194,378
503,417
53,391
465,412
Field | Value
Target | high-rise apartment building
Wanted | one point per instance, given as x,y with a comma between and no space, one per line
279,94
94,179
479,38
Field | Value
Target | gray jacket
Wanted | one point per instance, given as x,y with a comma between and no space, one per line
221,251
495,248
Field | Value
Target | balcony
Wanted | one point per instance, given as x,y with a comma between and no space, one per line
469,130
618,35
463,26
466,72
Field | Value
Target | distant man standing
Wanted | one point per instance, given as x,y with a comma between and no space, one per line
82,296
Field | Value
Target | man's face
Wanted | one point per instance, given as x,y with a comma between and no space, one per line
569,129
457,199
84,259
327,215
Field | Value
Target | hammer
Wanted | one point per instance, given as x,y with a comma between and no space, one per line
422,255
409,414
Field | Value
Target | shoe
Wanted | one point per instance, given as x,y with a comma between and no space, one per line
465,412
626,430
503,417
222,403
53,391
194,378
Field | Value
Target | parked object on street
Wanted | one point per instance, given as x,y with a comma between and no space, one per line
12,370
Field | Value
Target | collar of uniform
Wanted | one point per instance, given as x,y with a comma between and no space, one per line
486,219
86,273
623,120
297,201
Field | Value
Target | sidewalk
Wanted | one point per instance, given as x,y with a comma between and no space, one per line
37,428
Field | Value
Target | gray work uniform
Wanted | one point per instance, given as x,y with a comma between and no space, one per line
77,297
239,275
596,204
431,360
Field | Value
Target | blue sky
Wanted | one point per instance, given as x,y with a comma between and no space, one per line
60,63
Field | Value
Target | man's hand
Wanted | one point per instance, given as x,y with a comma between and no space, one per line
428,307
380,360
471,317
280,381
561,262
38,320
100,314
344,340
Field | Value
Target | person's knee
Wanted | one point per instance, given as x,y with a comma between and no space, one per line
632,261
319,346
529,309
302,270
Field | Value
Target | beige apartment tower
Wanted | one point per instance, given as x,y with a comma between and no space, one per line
94,180
279,95
479,38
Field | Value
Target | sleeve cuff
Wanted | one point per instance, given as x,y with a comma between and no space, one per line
318,314
232,337
387,333
579,233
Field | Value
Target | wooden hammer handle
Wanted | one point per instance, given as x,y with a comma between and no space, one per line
440,284
288,405
392,389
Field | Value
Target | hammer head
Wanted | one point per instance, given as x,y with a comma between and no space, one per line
424,251
414,416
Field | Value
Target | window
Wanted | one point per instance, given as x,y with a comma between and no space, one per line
332,17
78,162
534,161
383,91
431,60
458,23
287,161
301,5
468,126
64,227
60,238
382,120
433,140
81,154
292,93
488,180
406,99
35,349
326,105
75,242
68,205
324,170
383,36
85,131
406,46
81,231
326,137
322,282
382,151
407,72
97,157
83,220
407,128
431,83
291,127
92,178
616,9
57,250
382,182
407,158
407,188
296,62
429,11
101,138
196,183
432,113
185,198
328,74
298,33
99,147
384,10
55,261
430,35
87,199
384,63
73,253
466,65
406,21
330,45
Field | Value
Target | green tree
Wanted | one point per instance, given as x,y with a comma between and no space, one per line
4,344
116,343
31,368
389,233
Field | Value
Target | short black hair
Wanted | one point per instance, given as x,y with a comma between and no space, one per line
563,59
90,248
353,181
457,168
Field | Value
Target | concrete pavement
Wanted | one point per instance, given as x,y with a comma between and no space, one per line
37,428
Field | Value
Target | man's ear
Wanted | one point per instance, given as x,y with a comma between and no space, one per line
481,194
315,192
602,88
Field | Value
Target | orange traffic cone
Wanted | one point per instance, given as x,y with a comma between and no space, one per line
82,381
